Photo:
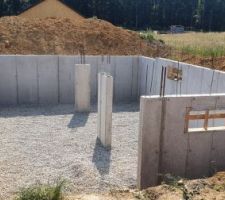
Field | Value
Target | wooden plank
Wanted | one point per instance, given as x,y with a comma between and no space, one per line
203,116
206,120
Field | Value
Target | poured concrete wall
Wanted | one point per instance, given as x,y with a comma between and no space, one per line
149,76
164,147
50,79
195,79
8,81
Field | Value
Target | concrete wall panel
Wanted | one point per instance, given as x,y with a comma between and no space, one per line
157,77
8,80
143,78
48,79
147,75
77,59
93,61
150,75
207,81
194,80
123,79
149,140
215,81
27,71
66,79
203,103
105,67
175,142
198,155
192,154
217,157
135,78
221,83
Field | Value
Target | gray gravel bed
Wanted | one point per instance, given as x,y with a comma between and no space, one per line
44,144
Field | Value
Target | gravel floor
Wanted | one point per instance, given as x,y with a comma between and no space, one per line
48,143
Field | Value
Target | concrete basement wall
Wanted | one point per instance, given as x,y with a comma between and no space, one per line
148,76
164,147
8,81
50,79
195,79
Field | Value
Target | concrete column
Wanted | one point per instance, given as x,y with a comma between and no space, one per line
149,141
105,101
82,87
99,104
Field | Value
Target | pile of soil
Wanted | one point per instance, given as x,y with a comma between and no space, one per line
51,27
210,62
201,189
20,35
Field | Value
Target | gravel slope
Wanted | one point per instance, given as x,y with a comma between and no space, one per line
47,143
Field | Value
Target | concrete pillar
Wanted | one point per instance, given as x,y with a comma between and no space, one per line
82,87
105,101
149,141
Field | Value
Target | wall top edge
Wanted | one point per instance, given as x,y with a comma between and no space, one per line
146,57
184,96
5,55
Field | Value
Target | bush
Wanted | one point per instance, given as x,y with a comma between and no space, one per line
147,35
42,192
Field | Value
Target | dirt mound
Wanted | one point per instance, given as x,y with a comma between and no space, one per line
201,189
20,35
210,62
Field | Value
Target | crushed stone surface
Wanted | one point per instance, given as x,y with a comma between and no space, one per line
48,143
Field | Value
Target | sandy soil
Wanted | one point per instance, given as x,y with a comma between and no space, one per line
201,189
66,36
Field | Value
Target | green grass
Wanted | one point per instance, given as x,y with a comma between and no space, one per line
42,192
217,51
196,43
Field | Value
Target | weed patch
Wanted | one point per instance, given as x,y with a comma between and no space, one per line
147,35
42,192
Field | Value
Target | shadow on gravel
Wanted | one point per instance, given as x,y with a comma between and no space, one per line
126,107
101,158
78,120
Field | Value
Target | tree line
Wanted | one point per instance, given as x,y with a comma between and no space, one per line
14,7
205,15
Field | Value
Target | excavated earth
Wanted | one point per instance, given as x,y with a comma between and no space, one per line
77,35
20,35
174,189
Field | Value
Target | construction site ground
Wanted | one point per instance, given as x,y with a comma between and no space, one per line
175,189
77,35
